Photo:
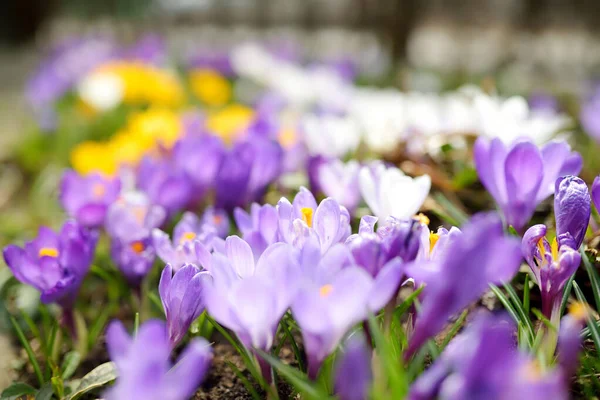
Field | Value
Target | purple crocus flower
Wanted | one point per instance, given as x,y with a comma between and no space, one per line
553,264
596,192
149,49
134,259
479,256
181,297
483,362
267,165
250,298
339,181
217,219
165,185
144,367
434,245
372,251
232,179
569,338
353,374
590,114
209,59
87,198
54,263
328,221
200,158
260,227
521,176
192,243
132,217
334,295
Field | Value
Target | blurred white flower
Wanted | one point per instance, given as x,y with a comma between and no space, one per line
340,181
388,192
101,90
330,135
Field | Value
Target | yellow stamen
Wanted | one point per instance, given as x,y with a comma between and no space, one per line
541,248
137,247
422,218
287,138
532,371
98,190
325,290
554,248
140,213
217,219
578,310
433,238
187,236
307,215
48,252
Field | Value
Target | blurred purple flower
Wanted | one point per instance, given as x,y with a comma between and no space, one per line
210,59
200,158
353,374
149,49
192,243
87,198
182,299
329,222
134,259
216,219
590,114
132,217
247,297
569,338
543,102
54,263
164,184
339,181
521,176
483,362
334,295
479,256
259,227
144,367
596,193
233,176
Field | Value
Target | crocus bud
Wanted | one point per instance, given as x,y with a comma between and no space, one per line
572,208
353,373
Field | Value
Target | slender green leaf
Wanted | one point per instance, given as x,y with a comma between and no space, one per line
506,303
17,390
96,378
45,392
70,364
593,274
456,213
526,293
136,324
292,341
29,350
590,320
295,378
543,318
244,380
566,294
520,310
155,300
457,325
405,305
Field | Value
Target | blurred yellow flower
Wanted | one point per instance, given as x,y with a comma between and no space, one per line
91,156
210,87
230,122
155,126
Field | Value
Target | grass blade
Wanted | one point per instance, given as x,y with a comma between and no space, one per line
590,320
454,212
244,380
526,290
520,310
566,294
295,349
506,303
593,274
405,305
457,325
29,350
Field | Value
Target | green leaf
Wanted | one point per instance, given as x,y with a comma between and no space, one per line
136,324
16,390
526,290
96,378
454,212
506,303
28,350
295,378
70,364
45,393
593,274
457,325
566,294
292,341
590,320
521,311
402,308
244,380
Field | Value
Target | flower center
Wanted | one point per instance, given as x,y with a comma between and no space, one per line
325,290
307,216
98,190
542,249
578,310
187,237
137,247
48,252
287,138
433,239
422,218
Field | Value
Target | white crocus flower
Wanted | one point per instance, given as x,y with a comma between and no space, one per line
388,192
339,180
330,135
